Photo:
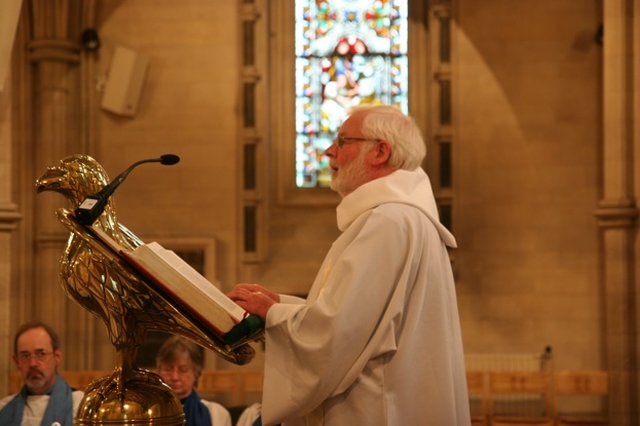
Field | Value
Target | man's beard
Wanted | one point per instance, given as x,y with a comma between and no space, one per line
36,381
350,176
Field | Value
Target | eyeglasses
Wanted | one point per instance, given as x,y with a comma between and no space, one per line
40,355
341,140
181,370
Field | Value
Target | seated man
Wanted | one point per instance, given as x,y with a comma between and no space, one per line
180,364
45,397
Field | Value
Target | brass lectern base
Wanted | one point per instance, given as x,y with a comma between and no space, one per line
141,399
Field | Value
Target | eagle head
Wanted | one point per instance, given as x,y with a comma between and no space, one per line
76,177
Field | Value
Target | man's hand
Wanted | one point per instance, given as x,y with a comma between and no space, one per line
254,299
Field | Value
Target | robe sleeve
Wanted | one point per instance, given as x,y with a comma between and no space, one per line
317,350
286,298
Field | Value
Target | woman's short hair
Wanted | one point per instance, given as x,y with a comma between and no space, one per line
399,130
178,345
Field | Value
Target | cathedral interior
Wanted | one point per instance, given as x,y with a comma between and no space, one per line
530,110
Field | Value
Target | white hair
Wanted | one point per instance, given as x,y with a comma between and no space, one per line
401,131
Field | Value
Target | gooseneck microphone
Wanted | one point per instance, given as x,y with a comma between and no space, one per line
94,205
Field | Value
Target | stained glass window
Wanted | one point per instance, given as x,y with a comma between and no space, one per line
348,52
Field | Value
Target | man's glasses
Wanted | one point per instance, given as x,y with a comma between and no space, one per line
40,355
342,140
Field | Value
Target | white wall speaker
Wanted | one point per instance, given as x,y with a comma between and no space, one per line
124,85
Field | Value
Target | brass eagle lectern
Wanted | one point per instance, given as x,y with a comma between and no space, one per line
97,278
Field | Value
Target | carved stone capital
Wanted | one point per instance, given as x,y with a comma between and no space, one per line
53,26
620,213
9,216
54,50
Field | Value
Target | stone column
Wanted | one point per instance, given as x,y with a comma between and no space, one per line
55,53
633,64
8,219
617,212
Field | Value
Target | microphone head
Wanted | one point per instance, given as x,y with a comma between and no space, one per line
169,159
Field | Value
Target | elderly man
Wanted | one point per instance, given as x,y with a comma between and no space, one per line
45,398
377,341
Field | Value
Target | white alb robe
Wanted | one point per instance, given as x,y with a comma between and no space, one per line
220,416
377,341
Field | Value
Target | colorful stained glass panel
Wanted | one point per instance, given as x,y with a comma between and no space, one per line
348,52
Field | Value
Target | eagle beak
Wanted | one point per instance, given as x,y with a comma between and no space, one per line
50,180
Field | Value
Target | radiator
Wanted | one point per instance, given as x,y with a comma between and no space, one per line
510,404
509,362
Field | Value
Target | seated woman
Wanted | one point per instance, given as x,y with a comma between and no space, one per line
179,363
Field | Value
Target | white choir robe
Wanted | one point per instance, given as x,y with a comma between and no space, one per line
377,341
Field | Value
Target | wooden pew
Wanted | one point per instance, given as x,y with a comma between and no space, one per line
78,379
235,385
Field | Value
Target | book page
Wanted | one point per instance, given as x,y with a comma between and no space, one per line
106,238
180,290
198,280
180,283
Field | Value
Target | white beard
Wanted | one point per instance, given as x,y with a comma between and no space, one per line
350,176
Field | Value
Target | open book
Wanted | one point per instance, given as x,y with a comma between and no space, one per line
185,286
